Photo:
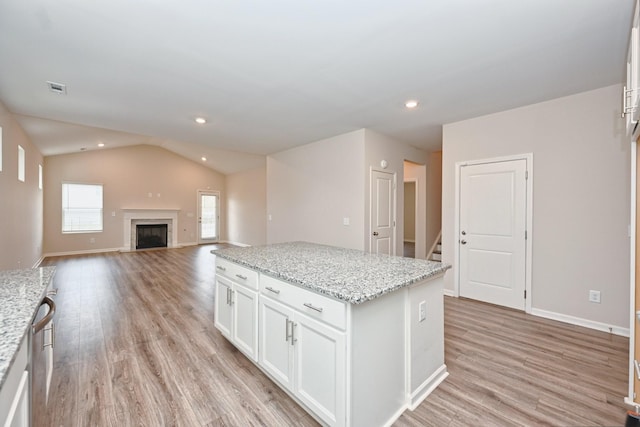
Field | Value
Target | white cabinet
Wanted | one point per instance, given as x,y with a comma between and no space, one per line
346,364
319,366
276,349
14,395
236,307
306,356
631,91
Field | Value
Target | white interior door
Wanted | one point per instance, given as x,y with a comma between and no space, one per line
383,220
208,216
492,243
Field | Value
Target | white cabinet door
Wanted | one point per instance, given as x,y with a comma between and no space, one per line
320,366
244,305
223,309
19,411
276,350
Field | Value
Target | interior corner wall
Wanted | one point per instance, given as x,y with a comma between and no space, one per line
134,177
418,174
247,207
581,197
312,188
21,211
434,197
380,147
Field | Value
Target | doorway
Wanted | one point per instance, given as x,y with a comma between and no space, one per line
208,216
493,246
382,210
410,218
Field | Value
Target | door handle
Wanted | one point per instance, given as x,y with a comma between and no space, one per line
463,242
375,233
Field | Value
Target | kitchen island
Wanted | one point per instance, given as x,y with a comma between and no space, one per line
21,293
355,338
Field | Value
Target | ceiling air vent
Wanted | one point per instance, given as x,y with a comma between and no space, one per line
57,88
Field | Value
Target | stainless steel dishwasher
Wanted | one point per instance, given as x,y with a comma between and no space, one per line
42,343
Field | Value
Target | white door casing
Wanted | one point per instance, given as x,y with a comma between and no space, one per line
208,216
382,213
492,227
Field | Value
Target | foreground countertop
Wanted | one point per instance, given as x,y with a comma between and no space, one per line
21,293
346,274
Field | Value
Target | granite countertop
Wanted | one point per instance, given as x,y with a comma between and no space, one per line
346,274
21,292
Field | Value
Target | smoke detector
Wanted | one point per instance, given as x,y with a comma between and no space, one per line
58,88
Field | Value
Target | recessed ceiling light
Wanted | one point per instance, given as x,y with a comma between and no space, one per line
200,120
412,103
204,159
101,144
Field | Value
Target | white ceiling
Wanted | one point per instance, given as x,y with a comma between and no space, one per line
270,75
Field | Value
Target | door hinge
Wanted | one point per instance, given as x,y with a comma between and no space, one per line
525,294
525,234
526,174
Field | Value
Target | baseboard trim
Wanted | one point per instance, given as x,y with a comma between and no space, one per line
425,389
616,330
91,251
244,245
448,292
38,262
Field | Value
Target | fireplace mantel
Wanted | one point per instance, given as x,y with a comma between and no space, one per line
165,215
149,210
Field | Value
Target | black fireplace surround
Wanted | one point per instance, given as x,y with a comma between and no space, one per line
151,236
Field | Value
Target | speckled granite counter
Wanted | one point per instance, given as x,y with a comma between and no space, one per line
21,292
346,274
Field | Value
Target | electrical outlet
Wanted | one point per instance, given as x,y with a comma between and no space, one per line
594,296
346,220
92,240
422,311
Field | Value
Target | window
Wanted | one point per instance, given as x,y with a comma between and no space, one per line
81,208
21,161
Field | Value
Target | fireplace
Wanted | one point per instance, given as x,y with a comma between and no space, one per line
133,217
151,236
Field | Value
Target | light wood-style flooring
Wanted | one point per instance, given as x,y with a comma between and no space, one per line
136,345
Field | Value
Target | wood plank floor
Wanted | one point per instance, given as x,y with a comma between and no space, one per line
136,346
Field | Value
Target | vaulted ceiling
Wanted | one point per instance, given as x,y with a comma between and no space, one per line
270,75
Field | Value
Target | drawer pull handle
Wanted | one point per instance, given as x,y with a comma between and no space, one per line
312,307
275,291
240,276
221,268
287,333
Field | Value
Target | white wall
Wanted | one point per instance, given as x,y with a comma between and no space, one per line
247,207
581,170
434,197
21,203
311,188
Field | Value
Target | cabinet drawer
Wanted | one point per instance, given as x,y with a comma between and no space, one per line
237,273
306,301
